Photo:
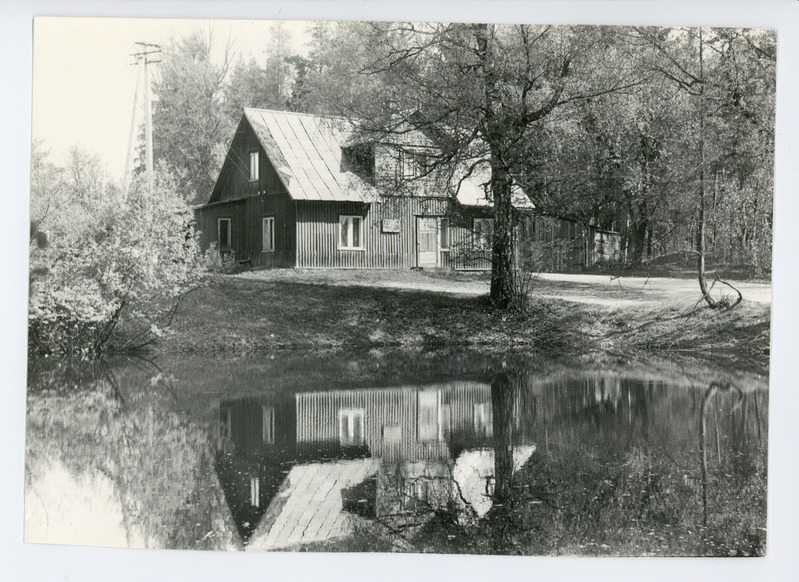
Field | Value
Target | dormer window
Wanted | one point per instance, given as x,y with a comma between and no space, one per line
254,166
411,164
360,159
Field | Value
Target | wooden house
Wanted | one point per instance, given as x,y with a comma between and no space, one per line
300,190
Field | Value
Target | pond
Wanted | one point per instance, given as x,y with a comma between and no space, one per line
398,451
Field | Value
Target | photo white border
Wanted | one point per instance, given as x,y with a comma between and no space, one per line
40,562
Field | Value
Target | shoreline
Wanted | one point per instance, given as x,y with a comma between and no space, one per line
263,312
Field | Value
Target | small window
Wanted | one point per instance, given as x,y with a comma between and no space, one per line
444,234
254,166
407,165
412,164
255,491
224,234
268,234
268,416
483,232
350,427
429,420
350,234
482,419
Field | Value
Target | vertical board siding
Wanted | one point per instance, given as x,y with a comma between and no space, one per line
317,417
306,235
207,220
246,223
234,180
318,223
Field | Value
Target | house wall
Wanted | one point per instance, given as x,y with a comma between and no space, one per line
247,223
394,409
246,203
318,229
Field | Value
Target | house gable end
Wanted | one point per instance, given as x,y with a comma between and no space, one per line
233,182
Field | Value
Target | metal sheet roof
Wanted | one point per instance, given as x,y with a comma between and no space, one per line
306,152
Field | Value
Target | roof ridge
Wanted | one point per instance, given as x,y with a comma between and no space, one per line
296,113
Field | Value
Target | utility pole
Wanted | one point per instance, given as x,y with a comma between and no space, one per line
143,58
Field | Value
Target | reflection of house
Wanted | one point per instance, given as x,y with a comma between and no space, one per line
300,190
406,423
297,468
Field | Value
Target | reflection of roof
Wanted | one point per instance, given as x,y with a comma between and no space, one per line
472,468
472,192
306,152
309,506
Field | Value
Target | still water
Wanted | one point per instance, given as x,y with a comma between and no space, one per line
398,451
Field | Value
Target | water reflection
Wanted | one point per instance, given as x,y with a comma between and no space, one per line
452,454
313,460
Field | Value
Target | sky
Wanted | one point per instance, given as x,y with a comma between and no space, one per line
84,83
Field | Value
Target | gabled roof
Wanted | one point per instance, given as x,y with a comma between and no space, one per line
306,152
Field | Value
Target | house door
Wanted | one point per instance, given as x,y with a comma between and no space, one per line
426,242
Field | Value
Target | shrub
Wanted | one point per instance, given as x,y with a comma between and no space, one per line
110,279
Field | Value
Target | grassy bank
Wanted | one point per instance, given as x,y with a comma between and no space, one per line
325,310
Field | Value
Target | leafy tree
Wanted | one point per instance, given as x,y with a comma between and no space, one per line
483,89
109,279
279,71
247,88
190,125
707,66
271,86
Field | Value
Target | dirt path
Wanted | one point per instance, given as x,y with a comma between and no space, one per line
577,288
659,288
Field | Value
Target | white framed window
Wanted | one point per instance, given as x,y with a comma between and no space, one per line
407,165
255,170
268,234
255,491
483,229
483,424
429,419
350,426
443,234
350,232
224,234
411,164
268,416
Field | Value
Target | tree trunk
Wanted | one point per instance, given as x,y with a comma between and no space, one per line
700,239
638,234
503,274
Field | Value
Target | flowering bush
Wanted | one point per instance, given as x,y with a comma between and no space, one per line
109,279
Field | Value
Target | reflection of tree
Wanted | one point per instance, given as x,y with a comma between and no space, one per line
503,397
714,388
159,464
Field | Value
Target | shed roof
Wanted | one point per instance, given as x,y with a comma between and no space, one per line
306,152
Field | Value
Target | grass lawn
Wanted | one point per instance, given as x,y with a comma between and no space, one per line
291,309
